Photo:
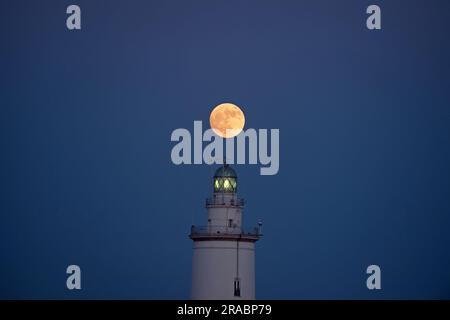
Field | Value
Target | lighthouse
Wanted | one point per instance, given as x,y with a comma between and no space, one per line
223,261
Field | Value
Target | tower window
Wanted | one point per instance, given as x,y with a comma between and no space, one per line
237,288
225,184
230,223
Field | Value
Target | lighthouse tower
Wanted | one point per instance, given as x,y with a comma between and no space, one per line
223,262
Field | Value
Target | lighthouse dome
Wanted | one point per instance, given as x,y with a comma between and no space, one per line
225,171
225,179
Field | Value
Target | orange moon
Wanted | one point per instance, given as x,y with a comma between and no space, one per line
227,120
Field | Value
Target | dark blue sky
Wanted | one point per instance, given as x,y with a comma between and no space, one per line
86,118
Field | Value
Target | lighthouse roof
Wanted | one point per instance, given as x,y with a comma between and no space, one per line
225,172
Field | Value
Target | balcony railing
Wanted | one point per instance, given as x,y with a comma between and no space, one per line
219,201
198,231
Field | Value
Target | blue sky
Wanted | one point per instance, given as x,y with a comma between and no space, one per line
86,118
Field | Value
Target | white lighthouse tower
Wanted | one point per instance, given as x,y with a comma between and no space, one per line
223,262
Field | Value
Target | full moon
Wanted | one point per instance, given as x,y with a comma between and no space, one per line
227,120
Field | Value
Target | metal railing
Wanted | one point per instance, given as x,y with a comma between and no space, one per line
221,230
224,201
